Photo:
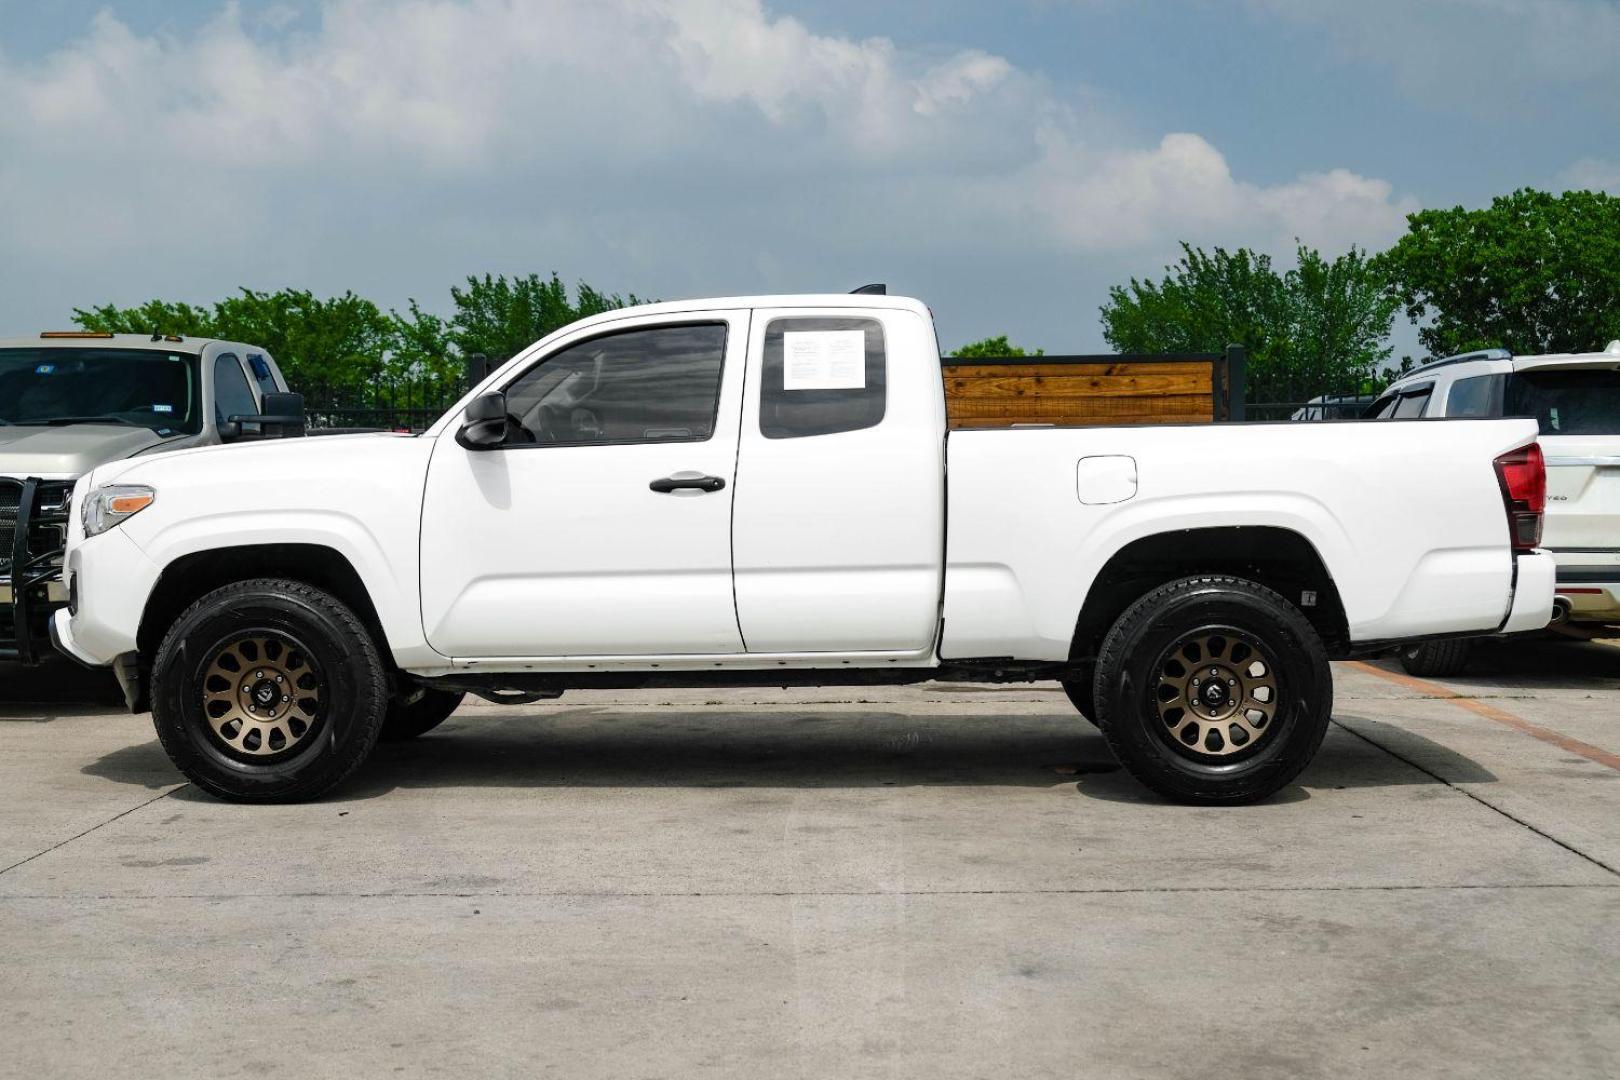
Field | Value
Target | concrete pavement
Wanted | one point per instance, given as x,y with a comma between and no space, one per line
932,881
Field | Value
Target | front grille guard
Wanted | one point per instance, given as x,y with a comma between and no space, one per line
30,570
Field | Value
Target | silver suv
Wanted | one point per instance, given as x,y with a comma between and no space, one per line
1576,399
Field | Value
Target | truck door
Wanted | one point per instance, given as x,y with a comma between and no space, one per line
603,527
838,536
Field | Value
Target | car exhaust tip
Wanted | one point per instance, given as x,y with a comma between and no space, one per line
1560,610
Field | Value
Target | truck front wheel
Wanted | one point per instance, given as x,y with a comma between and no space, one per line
1213,690
268,691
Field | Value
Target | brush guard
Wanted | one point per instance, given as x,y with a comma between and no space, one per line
33,530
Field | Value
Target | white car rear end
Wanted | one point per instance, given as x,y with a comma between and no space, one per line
1575,400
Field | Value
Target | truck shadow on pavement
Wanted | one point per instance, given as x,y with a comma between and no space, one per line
604,748
1538,663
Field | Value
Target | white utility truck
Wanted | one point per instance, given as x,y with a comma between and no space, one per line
764,491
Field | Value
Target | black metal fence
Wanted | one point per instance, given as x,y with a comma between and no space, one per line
374,419
1350,409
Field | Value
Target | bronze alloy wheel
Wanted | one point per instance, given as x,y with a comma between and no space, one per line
1217,694
261,694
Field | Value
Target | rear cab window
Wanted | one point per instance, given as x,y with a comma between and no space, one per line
263,374
822,376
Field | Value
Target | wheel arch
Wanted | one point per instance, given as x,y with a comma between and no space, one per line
1279,558
192,576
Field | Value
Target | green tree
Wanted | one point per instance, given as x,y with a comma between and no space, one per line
992,347
331,349
152,317
422,357
500,317
1321,327
1533,272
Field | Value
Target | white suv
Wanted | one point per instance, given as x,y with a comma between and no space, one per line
1576,399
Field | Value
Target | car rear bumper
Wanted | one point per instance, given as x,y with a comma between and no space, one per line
1588,594
1535,574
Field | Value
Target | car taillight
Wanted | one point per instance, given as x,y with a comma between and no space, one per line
1522,474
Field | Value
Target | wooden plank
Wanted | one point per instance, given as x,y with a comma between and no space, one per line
1034,368
1078,386
982,422
1096,393
1166,405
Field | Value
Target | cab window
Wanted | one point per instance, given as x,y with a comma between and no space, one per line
1412,405
232,394
1478,397
658,384
821,376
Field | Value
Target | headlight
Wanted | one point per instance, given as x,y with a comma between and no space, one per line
113,504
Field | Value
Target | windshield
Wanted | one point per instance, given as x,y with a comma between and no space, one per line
146,388
1567,402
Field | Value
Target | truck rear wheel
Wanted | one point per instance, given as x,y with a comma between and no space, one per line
1080,690
268,691
409,717
1436,657
1213,690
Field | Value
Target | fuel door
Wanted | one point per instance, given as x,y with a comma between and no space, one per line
1107,478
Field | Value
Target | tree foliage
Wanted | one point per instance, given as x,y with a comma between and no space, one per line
328,348
1533,272
1321,326
500,318
993,347
346,350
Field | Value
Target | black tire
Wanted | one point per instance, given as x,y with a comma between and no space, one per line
1436,657
1080,690
296,631
407,719
1240,627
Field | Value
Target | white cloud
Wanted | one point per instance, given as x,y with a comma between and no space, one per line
665,146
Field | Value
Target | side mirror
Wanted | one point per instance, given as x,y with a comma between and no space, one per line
484,423
281,415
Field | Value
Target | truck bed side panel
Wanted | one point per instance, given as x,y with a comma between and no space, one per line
1406,516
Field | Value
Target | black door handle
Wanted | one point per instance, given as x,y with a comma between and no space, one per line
676,483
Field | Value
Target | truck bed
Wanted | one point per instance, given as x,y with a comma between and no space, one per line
1406,516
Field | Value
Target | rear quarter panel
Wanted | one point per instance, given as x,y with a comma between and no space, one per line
1406,515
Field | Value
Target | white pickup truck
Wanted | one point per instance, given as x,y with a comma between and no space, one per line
763,491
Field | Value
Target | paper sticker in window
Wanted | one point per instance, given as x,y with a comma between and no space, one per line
824,360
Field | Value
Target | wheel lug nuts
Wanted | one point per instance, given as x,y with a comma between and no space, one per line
278,678
258,674
284,697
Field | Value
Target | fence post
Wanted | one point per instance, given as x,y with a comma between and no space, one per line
1236,358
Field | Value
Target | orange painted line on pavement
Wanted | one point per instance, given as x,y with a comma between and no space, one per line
1491,712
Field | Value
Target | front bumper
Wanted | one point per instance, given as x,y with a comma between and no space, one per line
111,580
1533,582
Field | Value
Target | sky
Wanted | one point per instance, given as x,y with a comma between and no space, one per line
1006,162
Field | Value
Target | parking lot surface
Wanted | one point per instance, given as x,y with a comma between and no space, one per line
942,881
